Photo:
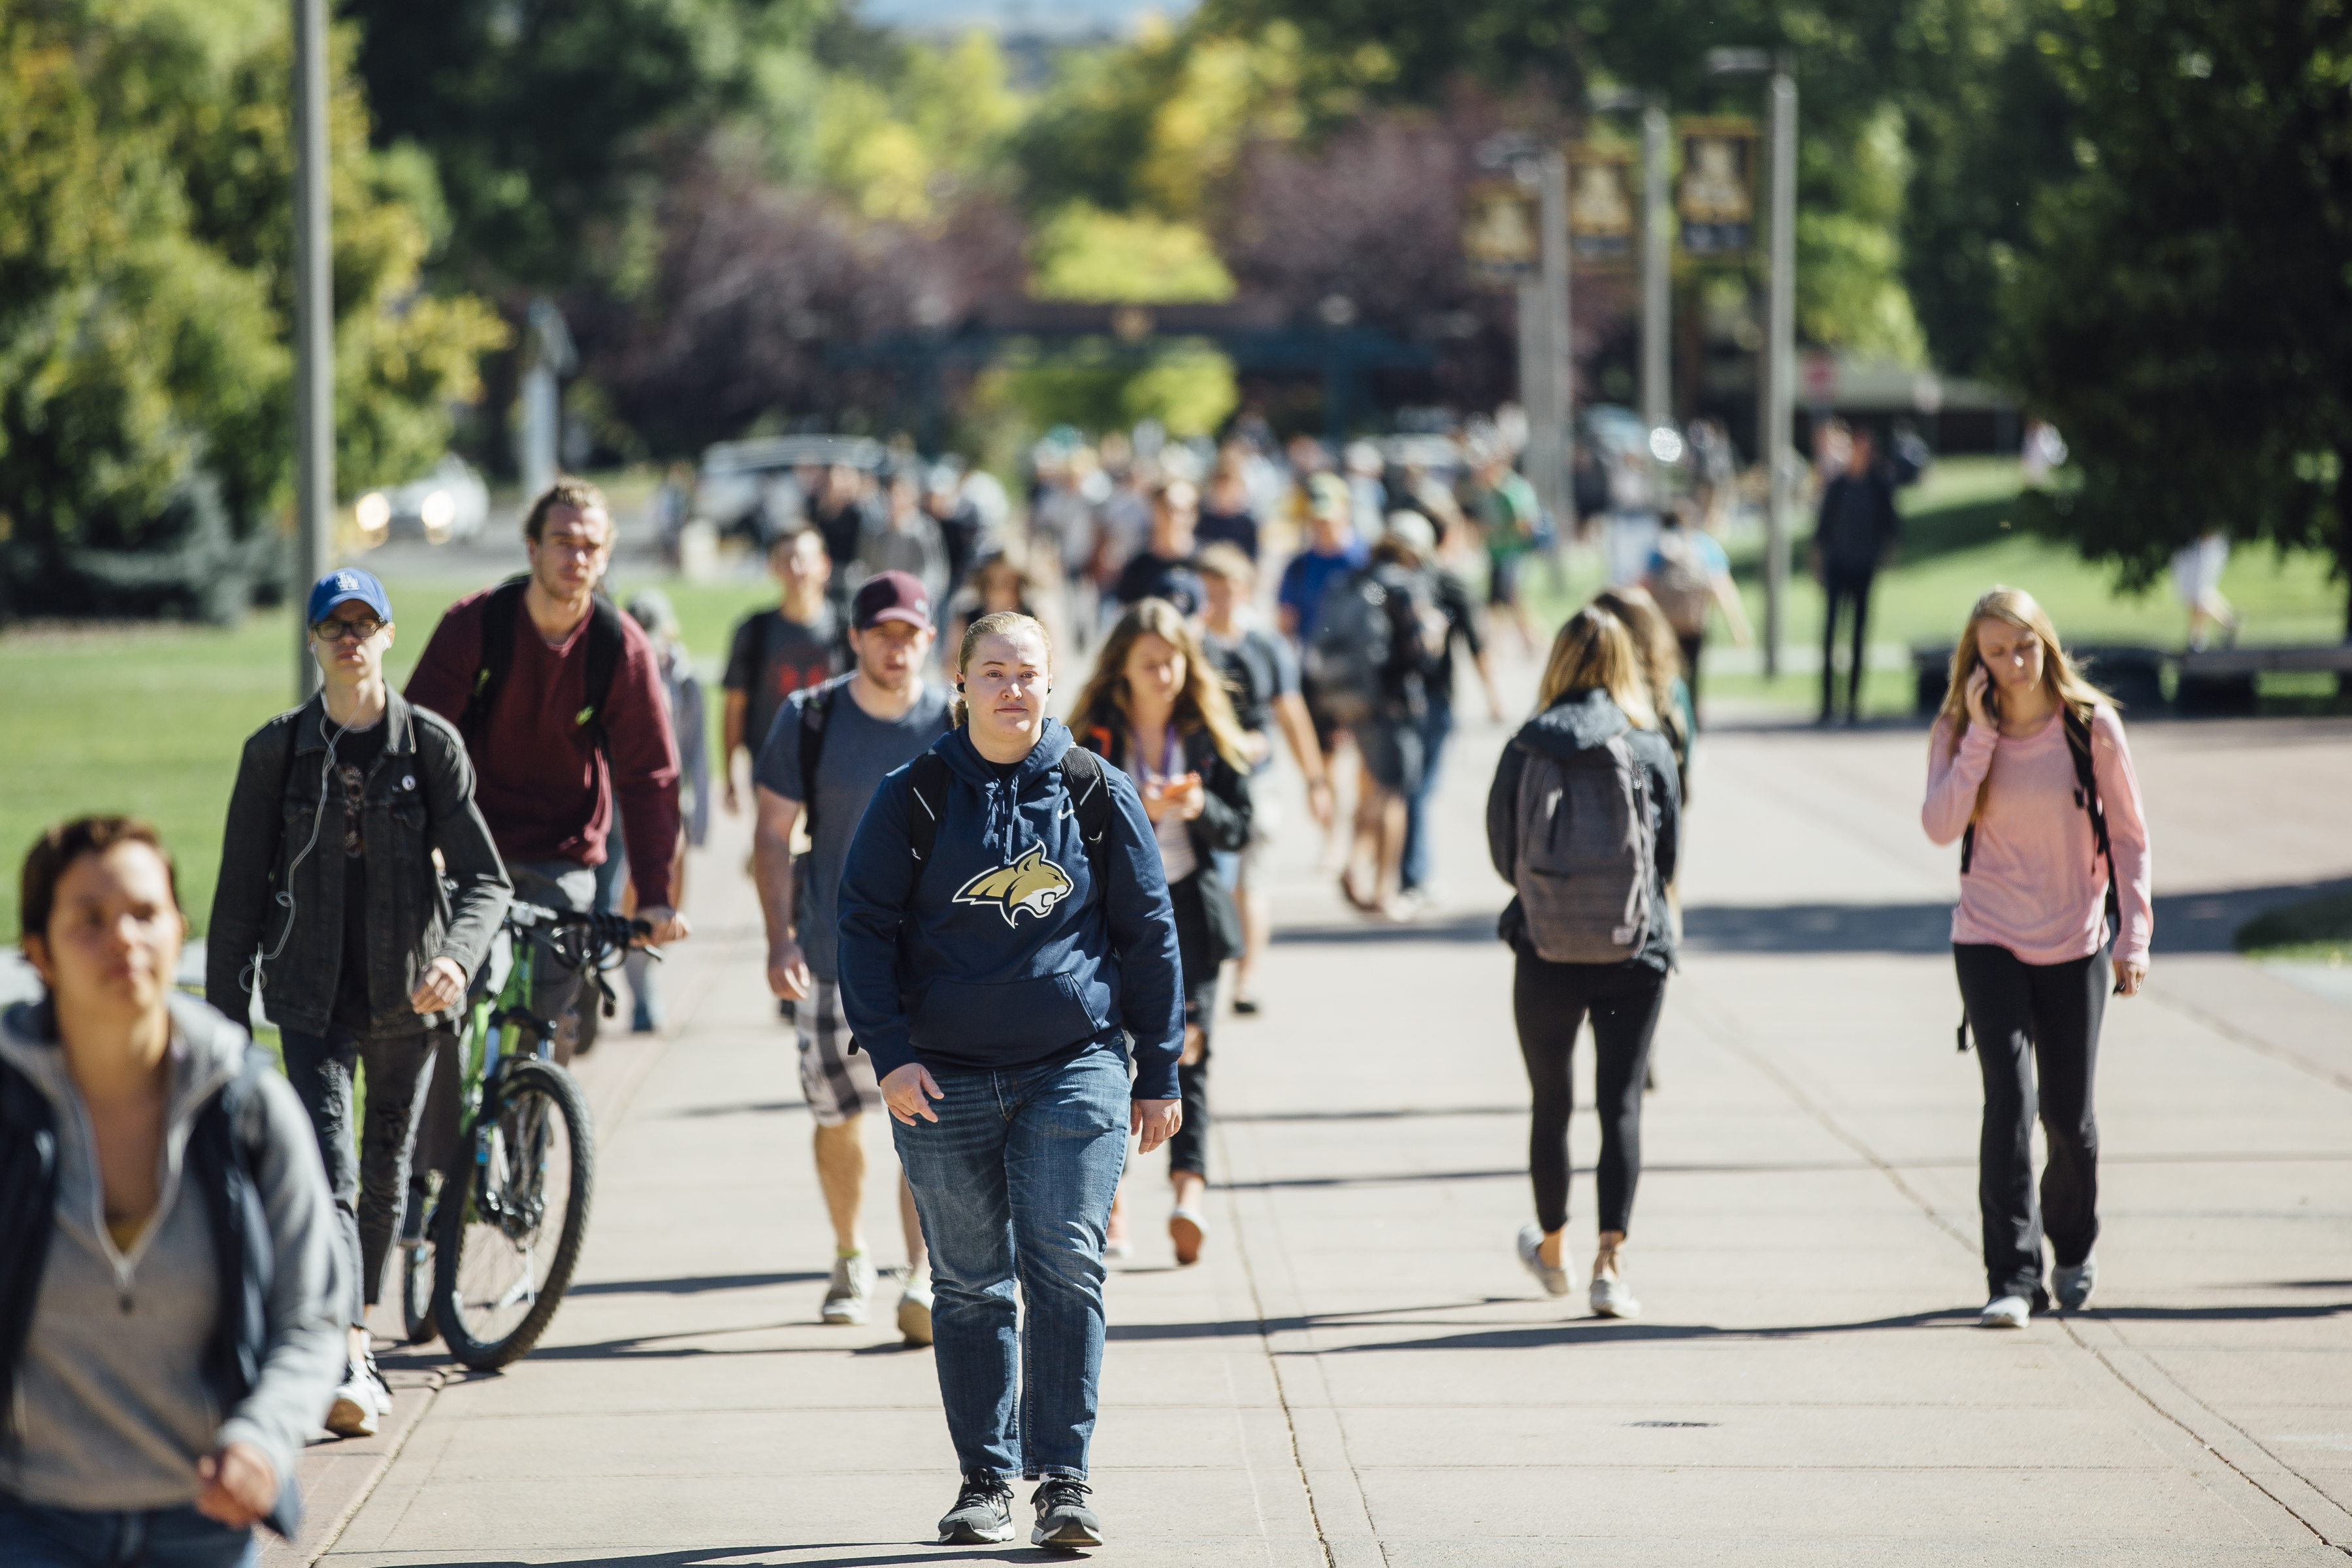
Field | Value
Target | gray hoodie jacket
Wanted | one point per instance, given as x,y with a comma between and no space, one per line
111,1409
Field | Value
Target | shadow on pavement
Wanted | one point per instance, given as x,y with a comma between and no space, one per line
1478,926
1596,1331
1379,1115
864,1554
691,1285
2185,923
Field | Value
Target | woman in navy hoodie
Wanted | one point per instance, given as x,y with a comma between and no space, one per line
1006,939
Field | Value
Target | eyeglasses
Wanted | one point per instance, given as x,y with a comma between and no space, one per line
334,628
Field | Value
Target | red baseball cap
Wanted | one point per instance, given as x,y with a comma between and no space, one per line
891,596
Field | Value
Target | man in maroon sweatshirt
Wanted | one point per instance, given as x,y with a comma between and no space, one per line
546,792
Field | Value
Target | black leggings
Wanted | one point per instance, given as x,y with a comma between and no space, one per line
1549,1001
2025,1016
1188,1150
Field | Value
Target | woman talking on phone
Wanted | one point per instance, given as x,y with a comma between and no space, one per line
1005,941
2028,770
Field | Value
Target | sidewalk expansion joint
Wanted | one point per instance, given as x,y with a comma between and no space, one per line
2254,1043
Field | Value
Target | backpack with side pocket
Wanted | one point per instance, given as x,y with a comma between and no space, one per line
1681,583
1587,859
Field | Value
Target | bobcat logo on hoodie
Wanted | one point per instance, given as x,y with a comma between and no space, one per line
1031,885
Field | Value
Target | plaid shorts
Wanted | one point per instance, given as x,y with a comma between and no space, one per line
837,1083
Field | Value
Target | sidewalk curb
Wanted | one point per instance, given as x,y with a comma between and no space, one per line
337,1478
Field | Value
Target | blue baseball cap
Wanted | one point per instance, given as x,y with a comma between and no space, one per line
344,585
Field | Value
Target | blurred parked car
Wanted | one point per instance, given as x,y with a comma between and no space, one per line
450,502
742,482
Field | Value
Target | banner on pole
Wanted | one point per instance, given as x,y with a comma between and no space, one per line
1603,208
1501,237
1716,198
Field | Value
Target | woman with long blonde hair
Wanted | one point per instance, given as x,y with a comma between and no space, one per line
1660,654
1155,707
2028,769
1583,821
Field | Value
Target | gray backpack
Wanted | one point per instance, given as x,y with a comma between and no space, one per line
1587,854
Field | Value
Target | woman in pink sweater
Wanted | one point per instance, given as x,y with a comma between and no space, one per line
2051,873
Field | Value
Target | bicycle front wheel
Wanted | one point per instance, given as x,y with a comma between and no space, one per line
506,1245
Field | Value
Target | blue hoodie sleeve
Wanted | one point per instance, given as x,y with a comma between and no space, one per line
1143,934
878,884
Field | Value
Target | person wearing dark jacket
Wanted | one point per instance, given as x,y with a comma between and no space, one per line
1857,530
1596,739
172,1299
1156,709
329,906
1002,983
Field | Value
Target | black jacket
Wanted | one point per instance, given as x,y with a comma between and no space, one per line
1858,523
418,797
1222,827
1580,721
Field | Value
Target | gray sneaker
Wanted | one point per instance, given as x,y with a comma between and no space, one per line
2072,1286
853,1282
1063,1520
1553,1280
982,1513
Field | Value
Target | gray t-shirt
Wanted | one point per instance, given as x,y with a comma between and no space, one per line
859,751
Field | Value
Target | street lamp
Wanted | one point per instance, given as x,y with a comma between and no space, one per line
1780,327
1546,383
314,329
1657,398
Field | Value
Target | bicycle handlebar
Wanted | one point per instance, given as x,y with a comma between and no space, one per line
592,934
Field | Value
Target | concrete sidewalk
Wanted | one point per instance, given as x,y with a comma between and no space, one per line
1359,1372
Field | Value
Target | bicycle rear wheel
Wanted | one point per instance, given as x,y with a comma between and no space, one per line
416,1273
505,1245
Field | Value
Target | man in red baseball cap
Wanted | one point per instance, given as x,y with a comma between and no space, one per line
823,757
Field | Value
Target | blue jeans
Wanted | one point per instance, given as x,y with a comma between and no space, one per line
34,1537
1435,726
1013,1184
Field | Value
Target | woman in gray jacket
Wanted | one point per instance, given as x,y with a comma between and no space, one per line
329,905
171,1310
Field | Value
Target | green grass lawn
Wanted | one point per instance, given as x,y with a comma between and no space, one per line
151,718
1960,539
2318,931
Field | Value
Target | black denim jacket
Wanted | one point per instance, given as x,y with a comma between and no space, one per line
418,797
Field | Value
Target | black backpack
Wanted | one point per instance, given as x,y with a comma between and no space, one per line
1082,775
2086,796
816,713
607,643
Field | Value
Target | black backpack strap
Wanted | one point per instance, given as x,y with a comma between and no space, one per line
1082,775
926,803
606,645
1968,846
28,1201
499,611
2086,796
816,717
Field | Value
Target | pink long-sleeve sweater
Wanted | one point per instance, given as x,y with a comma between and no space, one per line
2036,884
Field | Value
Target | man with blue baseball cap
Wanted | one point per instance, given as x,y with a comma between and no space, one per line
330,908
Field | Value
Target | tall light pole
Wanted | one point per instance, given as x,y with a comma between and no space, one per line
1773,402
1657,386
1556,375
314,329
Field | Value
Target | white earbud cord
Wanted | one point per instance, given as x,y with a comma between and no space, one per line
256,974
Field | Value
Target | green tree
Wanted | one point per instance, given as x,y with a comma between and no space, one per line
2185,316
145,317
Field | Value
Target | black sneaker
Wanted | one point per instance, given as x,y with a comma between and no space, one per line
1063,1517
982,1513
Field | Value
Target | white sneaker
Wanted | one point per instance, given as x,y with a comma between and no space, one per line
915,1309
355,1412
1187,1230
1611,1296
1553,1280
853,1282
2005,1312
2072,1286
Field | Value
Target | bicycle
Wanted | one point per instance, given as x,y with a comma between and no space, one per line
494,1258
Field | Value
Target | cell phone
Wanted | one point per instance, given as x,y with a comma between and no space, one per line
1991,690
